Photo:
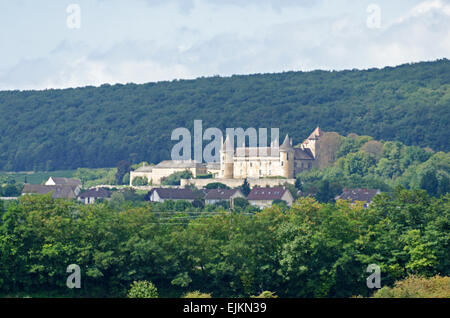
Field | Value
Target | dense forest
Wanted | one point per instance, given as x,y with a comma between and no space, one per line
311,249
99,126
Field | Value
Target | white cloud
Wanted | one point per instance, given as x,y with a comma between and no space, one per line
237,39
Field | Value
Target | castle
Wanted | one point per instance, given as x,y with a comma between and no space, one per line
284,161
260,165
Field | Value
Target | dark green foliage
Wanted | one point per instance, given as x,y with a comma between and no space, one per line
298,184
280,203
216,185
123,167
174,178
99,126
204,176
245,188
324,192
430,183
240,203
140,181
11,190
223,204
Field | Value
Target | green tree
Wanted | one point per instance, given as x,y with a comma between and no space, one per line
324,192
245,188
142,289
216,185
123,167
140,181
429,183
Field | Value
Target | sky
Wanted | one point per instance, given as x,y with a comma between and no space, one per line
58,43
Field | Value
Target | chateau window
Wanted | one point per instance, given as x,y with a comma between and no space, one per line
287,156
282,163
251,164
309,165
270,172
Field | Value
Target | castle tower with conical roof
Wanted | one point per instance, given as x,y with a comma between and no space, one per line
287,153
227,156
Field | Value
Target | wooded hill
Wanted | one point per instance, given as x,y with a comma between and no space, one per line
98,126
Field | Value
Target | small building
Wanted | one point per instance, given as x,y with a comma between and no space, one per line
164,194
155,174
264,197
94,194
54,181
214,196
358,195
58,191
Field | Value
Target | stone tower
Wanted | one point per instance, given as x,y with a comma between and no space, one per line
287,153
227,159
313,143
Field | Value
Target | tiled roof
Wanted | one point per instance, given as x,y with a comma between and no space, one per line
303,154
220,194
66,181
364,195
178,164
59,191
266,193
175,193
144,169
96,193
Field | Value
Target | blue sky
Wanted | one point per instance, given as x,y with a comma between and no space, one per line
153,40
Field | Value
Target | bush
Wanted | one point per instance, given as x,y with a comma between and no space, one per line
142,289
241,203
216,185
174,178
204,176
417,287
196,294
140,181
265,294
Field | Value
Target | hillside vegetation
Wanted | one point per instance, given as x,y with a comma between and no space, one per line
98,126
361,161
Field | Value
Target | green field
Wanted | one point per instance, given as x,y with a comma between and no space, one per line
34,177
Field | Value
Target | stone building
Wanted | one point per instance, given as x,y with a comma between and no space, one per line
284,161
155,174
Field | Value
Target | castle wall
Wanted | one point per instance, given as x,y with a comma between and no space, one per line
234,183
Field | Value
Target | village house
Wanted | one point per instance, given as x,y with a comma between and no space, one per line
58,191
214,196
175,194
358,195
54,181
93,195
264,197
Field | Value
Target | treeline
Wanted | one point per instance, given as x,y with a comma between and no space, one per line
97,127
308,250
